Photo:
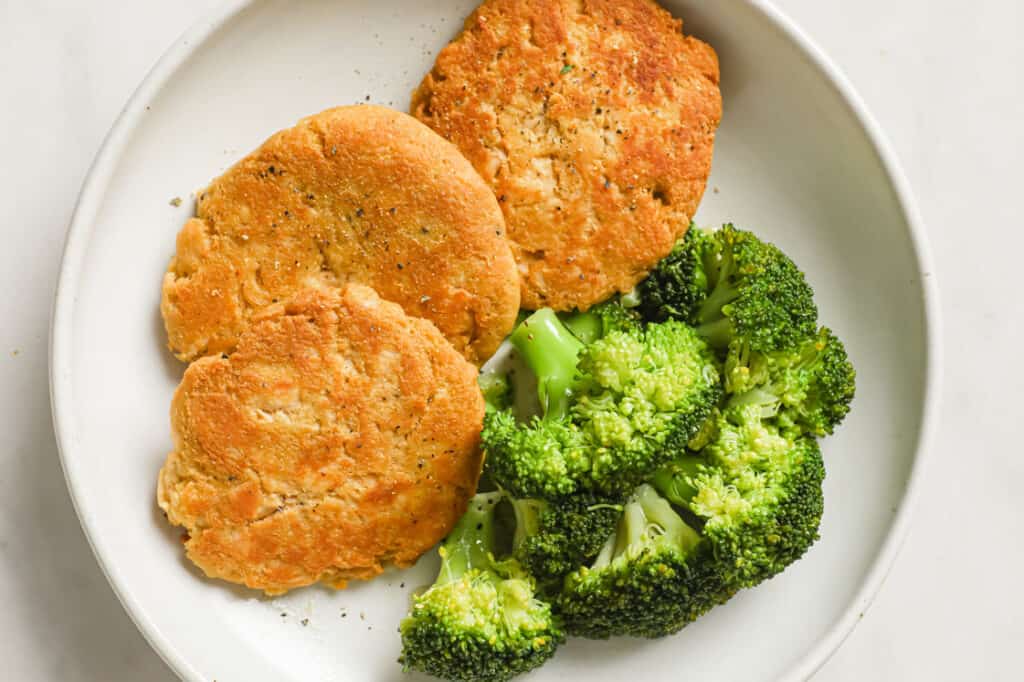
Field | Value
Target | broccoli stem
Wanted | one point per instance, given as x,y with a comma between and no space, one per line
587,327
527,513
471,542
674,480
628,530
659,512
630,299
604,557
634,522
711,308
550,350
764,398
717,334
648,515
723,292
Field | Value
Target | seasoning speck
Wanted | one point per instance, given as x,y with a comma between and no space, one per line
566,69
362,615
305,622
175,202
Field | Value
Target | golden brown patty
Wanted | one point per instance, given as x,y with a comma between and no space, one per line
362,194
340,436
593,121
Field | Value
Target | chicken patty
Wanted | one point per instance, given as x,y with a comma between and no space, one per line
593,121
342,435
362,194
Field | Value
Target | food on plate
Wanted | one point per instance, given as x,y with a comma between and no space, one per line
481,619
651,427
651,577
671,457
808,387
353,194
552,539
341,435
735,289
593,122
613,409
756,497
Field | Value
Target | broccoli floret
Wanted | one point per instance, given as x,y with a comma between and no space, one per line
675,289
732,287
481,620
652,577
554,539
613,410
809,387
754,496
757,491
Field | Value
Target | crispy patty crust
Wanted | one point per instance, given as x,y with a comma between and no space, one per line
593,121
342,435
362,194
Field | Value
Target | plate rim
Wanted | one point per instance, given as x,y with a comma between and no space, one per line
115,143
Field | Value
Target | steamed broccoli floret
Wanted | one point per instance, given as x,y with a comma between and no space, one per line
809,387
613,410
675,289
652,577
480,621
757,491
755,498
554,539
732,287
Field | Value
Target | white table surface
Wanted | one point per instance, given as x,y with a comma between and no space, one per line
946,81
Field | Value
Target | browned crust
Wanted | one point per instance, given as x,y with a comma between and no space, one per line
362,194
594,123
342,435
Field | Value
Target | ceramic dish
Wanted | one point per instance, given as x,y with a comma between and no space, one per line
798,159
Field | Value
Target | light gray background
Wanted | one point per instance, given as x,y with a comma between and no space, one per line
946,81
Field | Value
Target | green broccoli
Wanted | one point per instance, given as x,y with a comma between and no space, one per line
732,287
553,539
809,387
613,410
675,289
754,497
652,577
496,389
601,320
757,491
480,621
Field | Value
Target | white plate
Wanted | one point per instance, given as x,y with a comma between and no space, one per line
797,159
